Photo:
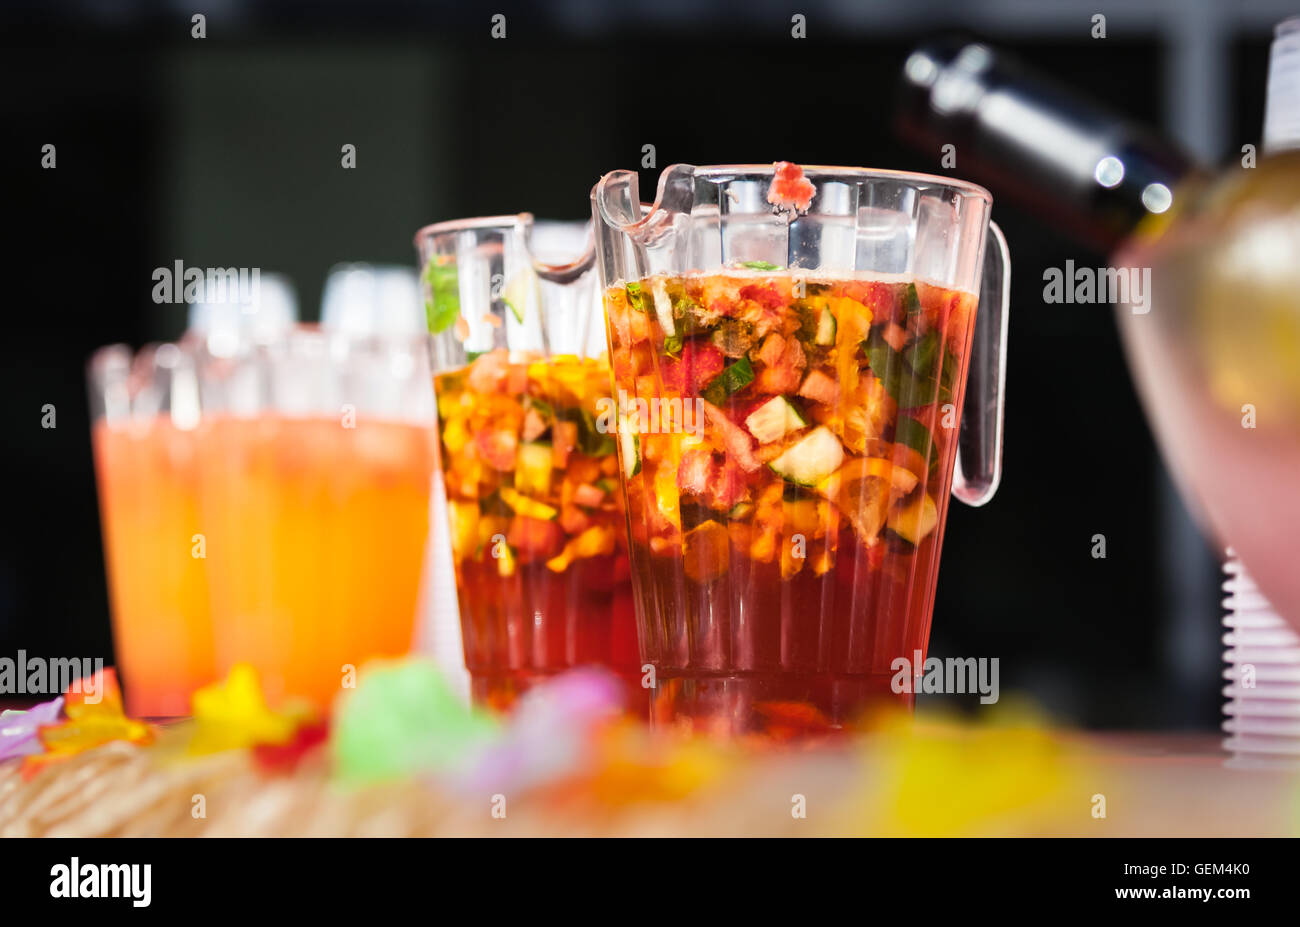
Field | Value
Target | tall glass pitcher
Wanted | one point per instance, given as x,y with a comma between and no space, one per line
790,351
531,476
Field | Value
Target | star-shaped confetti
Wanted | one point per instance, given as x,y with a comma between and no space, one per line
94,717
233,714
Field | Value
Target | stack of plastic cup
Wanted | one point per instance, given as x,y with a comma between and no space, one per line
1263,677
271,310
367,299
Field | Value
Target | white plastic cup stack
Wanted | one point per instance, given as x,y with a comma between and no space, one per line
367,299
1262,669
270,310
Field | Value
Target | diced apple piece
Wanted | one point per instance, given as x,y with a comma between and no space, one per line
774,419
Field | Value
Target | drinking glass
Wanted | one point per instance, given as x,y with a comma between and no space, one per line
145,415
316,454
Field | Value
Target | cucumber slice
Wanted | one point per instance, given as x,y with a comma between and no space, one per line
826,327
663,306
732,380
816,456
516,292
533,469
629,447
774,419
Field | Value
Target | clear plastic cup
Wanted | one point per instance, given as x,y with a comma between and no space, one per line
316,459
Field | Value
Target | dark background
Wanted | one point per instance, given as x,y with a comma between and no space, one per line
225,151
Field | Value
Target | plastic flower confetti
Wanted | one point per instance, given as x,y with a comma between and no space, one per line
553,733
94,718
403,719
233,714
18,729
943,778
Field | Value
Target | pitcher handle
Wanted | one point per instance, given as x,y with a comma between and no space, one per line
979,443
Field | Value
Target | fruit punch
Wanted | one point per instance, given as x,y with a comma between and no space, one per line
784,552
537,524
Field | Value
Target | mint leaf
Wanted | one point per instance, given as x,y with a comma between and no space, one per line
760,265
916,436
591,441
909,386
732,380
442,307
911,301
635,296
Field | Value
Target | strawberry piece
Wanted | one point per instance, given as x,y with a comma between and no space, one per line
790,188
729,486
733,439
497,447
765,296
884,300
699,363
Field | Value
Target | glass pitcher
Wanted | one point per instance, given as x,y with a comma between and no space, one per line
531,476
790,353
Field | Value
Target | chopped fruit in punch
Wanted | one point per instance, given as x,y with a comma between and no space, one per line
787,549
537,524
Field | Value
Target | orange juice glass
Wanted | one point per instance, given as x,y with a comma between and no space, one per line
146,466
317,454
